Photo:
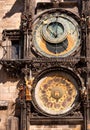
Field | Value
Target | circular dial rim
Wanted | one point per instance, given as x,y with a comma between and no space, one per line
41,47
59,113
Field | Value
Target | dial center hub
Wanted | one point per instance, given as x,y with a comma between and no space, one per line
56,93
55,29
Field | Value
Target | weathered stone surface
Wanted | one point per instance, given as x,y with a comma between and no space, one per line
3,103
10,13
9,93
12,123
55,127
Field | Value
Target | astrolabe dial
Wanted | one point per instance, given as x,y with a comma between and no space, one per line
53,31
56,93
56,35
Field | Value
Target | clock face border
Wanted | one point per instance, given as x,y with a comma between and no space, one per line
39,47
78,86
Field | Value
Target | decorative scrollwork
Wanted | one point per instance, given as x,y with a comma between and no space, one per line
26,21
84,94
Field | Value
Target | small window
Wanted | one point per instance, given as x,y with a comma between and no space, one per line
12,44
15,49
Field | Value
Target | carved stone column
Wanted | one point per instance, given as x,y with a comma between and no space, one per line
12,123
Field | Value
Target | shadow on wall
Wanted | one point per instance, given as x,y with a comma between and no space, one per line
4,77
17,7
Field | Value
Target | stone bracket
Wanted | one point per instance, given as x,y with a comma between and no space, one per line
3,105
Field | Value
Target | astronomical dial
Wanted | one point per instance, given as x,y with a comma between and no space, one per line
56,35
56,93
54,31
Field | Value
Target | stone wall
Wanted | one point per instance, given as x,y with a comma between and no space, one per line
8,93
53,127
10,12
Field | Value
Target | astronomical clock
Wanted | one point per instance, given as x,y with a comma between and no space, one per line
51,58
57,39
58,47
56,34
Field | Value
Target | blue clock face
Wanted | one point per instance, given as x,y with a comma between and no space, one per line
54,32
55,29
56,35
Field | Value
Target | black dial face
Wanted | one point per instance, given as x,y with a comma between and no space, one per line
56,35
56,93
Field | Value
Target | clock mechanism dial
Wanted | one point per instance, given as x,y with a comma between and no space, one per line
54,31
56,93
56,35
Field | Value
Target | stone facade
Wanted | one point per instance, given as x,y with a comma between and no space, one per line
55,128
10,18
10,12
